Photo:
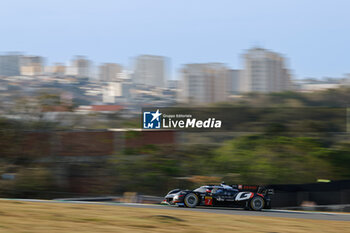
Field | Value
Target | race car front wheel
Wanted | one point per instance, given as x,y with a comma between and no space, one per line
257,203
191,200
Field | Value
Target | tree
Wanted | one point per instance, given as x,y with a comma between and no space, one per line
274,159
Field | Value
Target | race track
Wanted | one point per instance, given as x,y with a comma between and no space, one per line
234,211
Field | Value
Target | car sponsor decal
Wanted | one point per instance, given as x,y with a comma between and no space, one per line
244,196
208,201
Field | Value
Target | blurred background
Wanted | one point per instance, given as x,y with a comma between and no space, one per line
74,76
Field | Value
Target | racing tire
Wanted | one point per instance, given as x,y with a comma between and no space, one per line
257,203
191,200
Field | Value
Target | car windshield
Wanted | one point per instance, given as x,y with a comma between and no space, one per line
201,189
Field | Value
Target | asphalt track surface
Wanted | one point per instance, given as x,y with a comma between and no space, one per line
267,213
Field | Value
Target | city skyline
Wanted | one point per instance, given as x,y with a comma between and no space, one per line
95,68
185,31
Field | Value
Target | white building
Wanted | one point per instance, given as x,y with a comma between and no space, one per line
80,67
264,71
119,91
31,65
108,72
32,60
313,84
204,83
150,70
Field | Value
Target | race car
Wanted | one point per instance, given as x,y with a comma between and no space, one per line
250,197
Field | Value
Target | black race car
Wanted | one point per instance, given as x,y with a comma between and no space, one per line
250,197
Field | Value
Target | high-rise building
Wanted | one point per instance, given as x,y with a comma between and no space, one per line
30,60
80,67
204,83
10,64
151,70
108,72
233,81
31,70
264,71
31,65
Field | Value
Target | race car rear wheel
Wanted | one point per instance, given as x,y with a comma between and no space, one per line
191,200
257,203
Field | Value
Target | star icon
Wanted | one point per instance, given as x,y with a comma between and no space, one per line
156,115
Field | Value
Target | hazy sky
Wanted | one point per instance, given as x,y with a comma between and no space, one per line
313,34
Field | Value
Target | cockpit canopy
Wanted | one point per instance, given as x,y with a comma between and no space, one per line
222,187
